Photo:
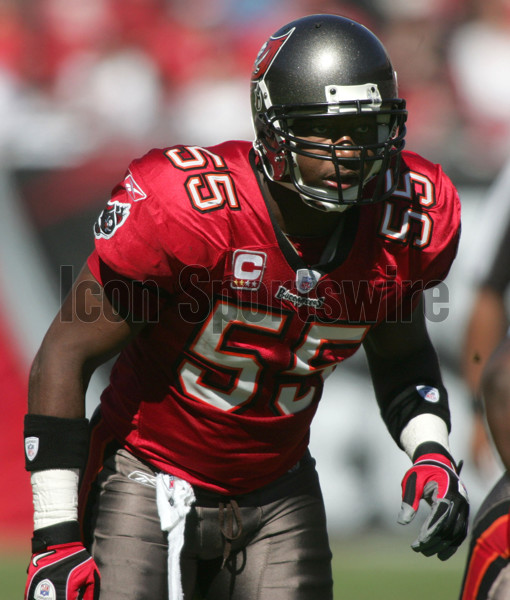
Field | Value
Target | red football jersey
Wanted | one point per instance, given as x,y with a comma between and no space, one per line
222,385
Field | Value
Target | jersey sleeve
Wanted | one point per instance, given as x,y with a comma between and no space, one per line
422,226
149,231
139,301
445,224
127,239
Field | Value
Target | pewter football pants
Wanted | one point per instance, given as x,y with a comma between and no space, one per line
269,545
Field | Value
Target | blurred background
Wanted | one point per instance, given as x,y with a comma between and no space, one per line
87,86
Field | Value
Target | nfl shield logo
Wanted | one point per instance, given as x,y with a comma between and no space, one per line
306,280
31,447
430,394
45,590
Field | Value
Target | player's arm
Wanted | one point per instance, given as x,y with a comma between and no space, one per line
86,332
486,327
414,405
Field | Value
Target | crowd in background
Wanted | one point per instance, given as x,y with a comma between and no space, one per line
112,77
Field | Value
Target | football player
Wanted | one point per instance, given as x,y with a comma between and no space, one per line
487,573
232,280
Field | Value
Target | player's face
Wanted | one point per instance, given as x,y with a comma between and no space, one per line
348,133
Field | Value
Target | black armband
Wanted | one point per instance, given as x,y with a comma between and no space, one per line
55,443
61,533
413,401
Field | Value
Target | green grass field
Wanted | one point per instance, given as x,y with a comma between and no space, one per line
368,568
385,568
13,569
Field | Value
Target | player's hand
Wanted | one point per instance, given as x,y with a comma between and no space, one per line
434,477
61,571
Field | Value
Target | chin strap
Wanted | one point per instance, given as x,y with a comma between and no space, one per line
323,205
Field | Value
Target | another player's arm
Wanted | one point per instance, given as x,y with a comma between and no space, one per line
414,405
486,327
86,332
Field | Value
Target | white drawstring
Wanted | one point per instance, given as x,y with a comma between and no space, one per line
174,498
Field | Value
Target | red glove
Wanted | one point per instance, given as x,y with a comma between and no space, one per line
434,477
61,568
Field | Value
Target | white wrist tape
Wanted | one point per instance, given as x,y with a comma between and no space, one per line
424,428
55,493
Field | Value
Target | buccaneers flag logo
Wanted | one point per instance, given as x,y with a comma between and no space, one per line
112,217
268,53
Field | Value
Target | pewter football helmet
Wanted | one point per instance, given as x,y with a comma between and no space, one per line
318,68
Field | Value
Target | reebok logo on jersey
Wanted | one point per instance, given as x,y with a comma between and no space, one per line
133,189
31,447
248,269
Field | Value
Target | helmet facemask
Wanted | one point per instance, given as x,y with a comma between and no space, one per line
370,160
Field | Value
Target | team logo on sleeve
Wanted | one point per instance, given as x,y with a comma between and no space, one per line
248,269
111,218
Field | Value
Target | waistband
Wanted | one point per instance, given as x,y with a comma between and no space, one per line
271,492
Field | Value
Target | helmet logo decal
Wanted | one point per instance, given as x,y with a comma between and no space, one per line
268,53
263,62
